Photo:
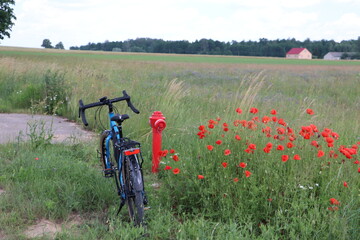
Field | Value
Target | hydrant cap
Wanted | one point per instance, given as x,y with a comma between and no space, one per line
160,124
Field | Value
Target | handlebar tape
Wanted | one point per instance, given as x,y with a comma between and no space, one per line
82,112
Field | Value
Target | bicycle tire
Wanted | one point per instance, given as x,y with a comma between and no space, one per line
103,156
135,190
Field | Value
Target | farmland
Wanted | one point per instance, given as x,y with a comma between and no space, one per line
280,199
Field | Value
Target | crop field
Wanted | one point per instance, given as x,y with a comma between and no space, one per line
266,148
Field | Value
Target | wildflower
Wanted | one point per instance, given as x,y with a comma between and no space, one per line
273,112
238,110
269,145
359,170
290,145
297,157
357,162
211,126
225,129
237,137
36,158
218,142
265,119
309,111
267,150
167,168
284,158
247,173
333,201
252,146
280,148
280,131
236,179
164,153
176,171
227,152
200,177
172,151
320,154
224,164
201,128
274,119
254,110
282,122
345,184
175,158
210,147
242,165
314,143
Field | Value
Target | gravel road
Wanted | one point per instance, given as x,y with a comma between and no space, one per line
13,124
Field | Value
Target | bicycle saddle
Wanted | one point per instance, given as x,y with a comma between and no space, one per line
119,118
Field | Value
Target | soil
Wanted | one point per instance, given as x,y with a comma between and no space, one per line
14,126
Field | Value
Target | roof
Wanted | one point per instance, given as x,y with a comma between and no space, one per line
295,50
339,54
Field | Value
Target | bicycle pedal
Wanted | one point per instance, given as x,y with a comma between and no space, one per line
108,173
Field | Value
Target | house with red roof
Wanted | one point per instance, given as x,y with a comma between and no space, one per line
299,53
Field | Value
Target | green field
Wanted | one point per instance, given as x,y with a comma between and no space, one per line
280,200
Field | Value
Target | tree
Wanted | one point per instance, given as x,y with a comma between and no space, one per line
60,45
46,43
6,17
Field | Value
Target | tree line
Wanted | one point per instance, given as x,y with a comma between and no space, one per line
262,47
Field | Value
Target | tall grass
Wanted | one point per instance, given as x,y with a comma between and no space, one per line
279,200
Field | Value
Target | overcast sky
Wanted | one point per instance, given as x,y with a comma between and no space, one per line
77,22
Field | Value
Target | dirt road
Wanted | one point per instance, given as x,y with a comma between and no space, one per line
13,124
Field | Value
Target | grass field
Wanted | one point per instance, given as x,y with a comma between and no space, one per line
251,193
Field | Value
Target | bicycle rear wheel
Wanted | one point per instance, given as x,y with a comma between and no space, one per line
135,189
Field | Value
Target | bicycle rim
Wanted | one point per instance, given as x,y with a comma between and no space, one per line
135,199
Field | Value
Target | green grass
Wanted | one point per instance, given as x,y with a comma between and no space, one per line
189,90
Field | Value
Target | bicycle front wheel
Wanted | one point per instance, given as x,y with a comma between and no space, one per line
135,189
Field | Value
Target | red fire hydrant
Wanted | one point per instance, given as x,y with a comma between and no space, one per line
158,124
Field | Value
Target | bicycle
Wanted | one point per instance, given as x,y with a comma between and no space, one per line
121,157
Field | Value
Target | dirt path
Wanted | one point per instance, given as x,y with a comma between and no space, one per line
13,124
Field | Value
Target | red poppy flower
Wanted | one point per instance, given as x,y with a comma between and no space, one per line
237,137
242,165
201,127
176,171
172,151
320,154
357,162
175,158
236,179
224,164
315,143
210,147
333,201
252,146
218,142
247,173
345,184
273,112
290,145
167,168
284,158
36,158
238,110
359,170
267,150
297,157
280,131
211,126
282,122
254,110
266,119
200,177
329,140
225,129
274,119
227,152
309,111
280,148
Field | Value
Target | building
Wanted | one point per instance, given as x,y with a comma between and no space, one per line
338,55
298,53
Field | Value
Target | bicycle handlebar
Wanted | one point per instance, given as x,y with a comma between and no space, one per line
105,101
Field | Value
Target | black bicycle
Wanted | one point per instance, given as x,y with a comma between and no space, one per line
121,157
